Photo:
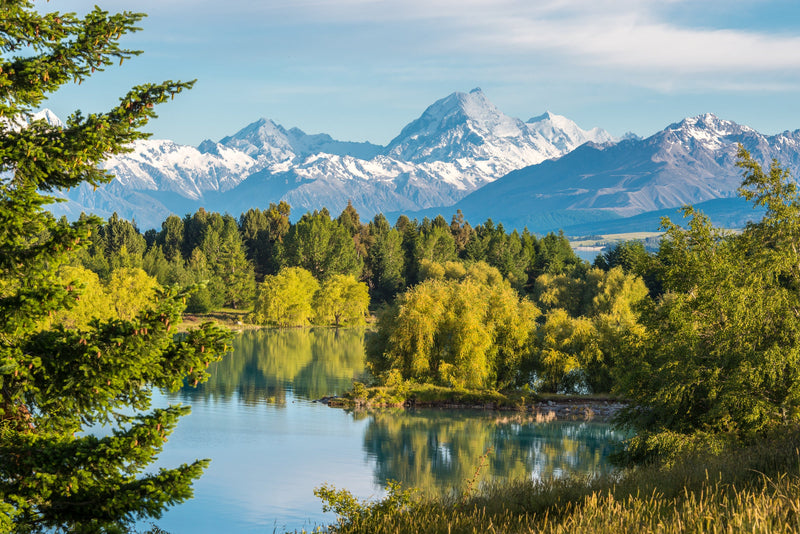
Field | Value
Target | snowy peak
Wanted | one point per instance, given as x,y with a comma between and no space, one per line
272,144
263,140
49,117
709,124
707,131
163,165
21,121
468,125
564,133
461,125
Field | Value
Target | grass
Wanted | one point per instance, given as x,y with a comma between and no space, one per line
424,395
406,394
753,489
610,239
228,317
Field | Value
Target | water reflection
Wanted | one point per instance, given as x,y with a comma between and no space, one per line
265,364
270,446
439,450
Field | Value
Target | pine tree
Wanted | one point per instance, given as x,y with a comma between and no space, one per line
56,382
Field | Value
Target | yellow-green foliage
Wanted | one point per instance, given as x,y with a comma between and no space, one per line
563,343
587,322
94,301
128,291
341,300
293,297
285,299
470,331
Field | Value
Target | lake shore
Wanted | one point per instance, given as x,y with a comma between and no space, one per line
557,409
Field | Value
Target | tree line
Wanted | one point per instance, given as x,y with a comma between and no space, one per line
232,257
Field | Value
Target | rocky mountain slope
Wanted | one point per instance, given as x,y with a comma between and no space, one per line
459,144
690,162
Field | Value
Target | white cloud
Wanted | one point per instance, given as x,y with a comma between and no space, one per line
638,42
631,36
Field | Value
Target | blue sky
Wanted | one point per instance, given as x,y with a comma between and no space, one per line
362,69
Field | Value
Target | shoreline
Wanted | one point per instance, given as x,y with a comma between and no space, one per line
544,411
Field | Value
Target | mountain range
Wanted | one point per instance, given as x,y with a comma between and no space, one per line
635,182
462,153
456,146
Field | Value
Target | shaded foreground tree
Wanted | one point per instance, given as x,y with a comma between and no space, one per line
720,358
55,383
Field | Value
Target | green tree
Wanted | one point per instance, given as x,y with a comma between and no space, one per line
554,255
350,219
385,261
507,252
633,257
721,353
208,295
471,331
341,300
115,244
254,228
462,232
285,299
436,244
171,237
232,267
321,246
55,383
130,292
263,232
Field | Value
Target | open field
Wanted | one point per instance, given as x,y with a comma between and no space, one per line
610,239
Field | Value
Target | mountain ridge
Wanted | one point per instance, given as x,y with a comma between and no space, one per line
462,152
689,162
459,143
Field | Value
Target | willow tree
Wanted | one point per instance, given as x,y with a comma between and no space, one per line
55,383
286,298
465,328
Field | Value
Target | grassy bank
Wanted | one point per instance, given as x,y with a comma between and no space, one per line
544,406
754,489
361,396
227,317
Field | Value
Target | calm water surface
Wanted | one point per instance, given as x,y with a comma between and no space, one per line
271,445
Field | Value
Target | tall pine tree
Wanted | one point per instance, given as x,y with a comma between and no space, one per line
56,382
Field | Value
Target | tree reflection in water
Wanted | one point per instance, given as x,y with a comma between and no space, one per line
436,450
267,363
441,450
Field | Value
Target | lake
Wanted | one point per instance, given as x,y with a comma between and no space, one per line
271,445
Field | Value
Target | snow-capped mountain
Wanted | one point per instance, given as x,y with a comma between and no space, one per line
459,144
273,144
564,134
161,165
689,162
479,143
21,121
